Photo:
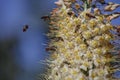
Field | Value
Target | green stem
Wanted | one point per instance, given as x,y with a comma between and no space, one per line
86,4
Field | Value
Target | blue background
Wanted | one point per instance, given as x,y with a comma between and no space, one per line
21,52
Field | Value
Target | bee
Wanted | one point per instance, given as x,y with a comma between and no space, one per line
45,18
25,27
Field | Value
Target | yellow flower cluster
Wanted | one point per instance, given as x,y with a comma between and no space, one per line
83,51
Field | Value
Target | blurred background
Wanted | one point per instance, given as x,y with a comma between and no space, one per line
21,52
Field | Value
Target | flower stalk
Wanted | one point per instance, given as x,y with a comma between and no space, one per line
80,45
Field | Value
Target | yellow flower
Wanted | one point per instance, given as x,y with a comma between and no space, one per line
77,21
99,38
98,51
106,49
92,24
64,69
93,75
68,35
98,60
95,31
110,27
69,25
67,55
83,27
54,55
101,72
74,71
87,34
83,67
64,31
78,40
107,37
68,78
82,79
70,44
88,54
83,46
86,64
93,43
100,18
54,70
103,28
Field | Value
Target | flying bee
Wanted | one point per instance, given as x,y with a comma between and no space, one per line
25,27
45,18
